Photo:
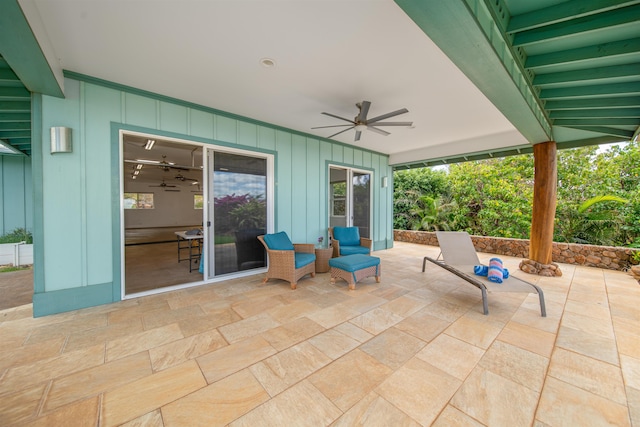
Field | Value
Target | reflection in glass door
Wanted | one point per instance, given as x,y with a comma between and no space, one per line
237,212
350,199
361,202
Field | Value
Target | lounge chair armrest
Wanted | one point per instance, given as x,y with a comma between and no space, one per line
367,243
281,257
308,248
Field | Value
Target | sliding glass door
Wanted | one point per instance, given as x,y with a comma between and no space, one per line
238,212
350,199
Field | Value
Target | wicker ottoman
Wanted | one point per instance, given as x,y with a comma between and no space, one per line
352,268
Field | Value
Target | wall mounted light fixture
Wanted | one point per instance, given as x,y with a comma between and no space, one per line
61,140
385,182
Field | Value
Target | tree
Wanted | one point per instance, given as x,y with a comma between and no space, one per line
408,185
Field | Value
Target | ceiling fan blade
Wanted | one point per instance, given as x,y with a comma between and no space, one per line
357,138
337,117
393,123
341,132
386,116
334,126
376,130
364,110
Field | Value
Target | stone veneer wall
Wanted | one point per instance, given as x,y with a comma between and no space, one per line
609,257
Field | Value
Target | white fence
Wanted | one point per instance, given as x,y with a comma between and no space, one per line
16,254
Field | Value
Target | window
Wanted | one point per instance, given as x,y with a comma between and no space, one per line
198,201
338,198
138,200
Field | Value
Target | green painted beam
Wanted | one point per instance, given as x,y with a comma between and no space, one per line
13,134
466,32
21,50
625,135
610,102
597,122
6,75
15,106
14,93
9,126
632,88
15,117
563,12
616,17
630,47
596,112
597,73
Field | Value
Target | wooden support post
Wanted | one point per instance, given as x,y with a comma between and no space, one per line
545,189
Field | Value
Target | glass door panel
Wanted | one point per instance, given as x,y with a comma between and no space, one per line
361,202
350,199
238,191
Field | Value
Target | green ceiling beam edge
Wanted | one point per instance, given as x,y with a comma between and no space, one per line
21,50
489,63
580,25
587,53
624,89
596,112
609,102
626,135
598,73
563,12
515,151
596,122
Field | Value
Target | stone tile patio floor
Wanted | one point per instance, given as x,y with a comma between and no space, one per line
412,350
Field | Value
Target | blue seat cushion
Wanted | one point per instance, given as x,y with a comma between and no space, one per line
278,241
347,236
303,259
351,250
352,263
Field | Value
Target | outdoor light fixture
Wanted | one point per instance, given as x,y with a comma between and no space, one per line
149,144
61,140
384,182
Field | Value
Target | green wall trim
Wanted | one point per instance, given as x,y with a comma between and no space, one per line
45,303
176,101
38,196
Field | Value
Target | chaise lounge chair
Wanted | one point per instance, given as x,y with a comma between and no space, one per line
459,257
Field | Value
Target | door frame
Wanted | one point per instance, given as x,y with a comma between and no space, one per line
270,157
349,193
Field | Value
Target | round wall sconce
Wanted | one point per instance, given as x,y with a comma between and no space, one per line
61,140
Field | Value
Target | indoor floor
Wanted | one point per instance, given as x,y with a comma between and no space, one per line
414,349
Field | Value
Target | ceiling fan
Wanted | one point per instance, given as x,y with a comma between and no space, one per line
183,178
165,186
360,122
163,164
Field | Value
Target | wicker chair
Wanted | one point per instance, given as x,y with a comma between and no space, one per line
282,262
354,245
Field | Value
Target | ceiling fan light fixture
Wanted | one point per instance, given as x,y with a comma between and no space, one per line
360,127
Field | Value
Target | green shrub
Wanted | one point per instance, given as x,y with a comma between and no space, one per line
16,236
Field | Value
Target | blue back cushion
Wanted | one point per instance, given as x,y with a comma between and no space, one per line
278,241
348,236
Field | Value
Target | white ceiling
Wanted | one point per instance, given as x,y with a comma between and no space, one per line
329,55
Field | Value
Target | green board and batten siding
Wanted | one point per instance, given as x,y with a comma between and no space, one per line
78,243
16,200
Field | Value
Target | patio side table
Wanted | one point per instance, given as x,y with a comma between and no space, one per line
323,255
